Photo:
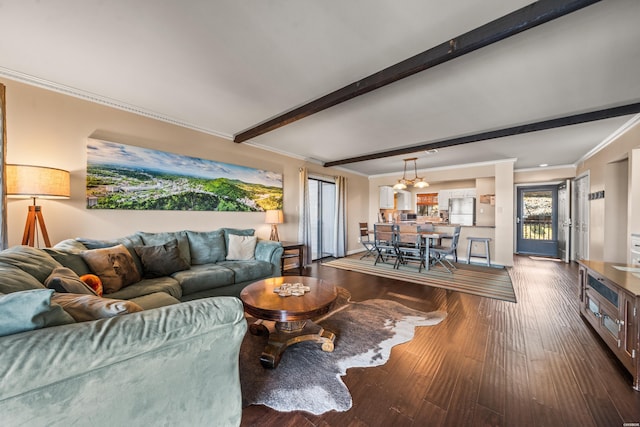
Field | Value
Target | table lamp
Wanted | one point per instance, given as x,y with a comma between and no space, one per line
24,181
274,217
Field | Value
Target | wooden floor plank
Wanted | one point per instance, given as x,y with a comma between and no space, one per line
493,383
441,389
429,415
574,407
485,417
518,399
535,362
463,404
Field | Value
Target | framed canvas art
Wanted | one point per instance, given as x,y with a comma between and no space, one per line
127,177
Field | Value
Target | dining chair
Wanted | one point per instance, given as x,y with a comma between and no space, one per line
427,226
365,240
410,247
440,253
384,241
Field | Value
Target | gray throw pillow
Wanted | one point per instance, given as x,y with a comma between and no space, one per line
69,259
65,280
161,260
206,247
153,239
28,310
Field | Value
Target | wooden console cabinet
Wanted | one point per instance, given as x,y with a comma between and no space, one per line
609,301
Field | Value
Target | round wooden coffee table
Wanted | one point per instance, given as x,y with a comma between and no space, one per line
292,314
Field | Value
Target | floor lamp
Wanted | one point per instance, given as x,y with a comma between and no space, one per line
274,217
24,181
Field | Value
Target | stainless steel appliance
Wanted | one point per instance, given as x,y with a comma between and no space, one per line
462,211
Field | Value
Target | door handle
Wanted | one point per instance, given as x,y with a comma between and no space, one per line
517,220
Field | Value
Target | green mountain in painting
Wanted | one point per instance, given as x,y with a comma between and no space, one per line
118,187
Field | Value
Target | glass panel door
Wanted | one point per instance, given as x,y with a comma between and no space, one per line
322,200
538,221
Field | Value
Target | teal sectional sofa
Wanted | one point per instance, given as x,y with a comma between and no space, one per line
173,360
210,273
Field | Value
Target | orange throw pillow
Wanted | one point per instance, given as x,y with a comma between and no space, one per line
93,282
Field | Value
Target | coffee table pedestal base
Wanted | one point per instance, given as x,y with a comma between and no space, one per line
285,334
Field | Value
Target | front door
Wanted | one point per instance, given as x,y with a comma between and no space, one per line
537,221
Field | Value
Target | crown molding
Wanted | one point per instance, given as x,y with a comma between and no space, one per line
281,152
544,168
98,99
608,140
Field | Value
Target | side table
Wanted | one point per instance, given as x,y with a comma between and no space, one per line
293,250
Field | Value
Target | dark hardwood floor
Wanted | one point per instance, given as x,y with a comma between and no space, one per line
493,363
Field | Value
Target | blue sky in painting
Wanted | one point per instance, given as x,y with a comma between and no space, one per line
111,153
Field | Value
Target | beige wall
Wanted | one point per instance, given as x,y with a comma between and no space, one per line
505,244
602,176
485,212
543,175
615,204
51,129
633,187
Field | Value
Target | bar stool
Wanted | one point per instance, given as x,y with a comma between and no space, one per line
486,254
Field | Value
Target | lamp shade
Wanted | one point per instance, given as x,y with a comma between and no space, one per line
37,181
274,217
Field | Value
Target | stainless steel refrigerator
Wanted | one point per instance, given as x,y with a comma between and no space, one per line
462,211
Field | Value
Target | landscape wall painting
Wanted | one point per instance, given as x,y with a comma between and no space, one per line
127,177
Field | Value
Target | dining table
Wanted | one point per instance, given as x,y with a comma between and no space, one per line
428,236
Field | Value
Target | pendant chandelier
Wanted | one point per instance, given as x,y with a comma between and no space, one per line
415,182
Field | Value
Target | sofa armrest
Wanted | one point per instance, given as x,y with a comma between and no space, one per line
268,250
175,365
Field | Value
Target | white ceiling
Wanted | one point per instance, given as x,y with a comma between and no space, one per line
224,66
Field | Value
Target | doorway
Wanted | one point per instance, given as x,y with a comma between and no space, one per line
322,203
580,235
564,221
537,220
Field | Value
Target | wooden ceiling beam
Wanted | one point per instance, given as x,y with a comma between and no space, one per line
575,119
511,24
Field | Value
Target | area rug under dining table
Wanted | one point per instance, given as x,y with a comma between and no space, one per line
309,379
484,281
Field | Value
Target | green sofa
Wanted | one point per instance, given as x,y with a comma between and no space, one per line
173,363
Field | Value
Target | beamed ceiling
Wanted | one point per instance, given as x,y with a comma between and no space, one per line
359,84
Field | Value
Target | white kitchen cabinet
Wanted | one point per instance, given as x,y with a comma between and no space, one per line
445,195
386,197
403,200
